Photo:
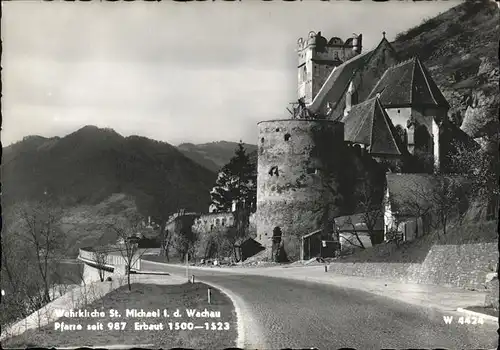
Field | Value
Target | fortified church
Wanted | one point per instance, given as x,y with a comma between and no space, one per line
359,116
365,106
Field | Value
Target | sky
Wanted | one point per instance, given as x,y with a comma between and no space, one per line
174,72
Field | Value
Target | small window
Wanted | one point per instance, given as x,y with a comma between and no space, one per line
217,222
262,140
223,222
287,137
277,129
211,227
311,170
399,111
274,171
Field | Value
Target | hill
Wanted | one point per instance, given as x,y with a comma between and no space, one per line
460,49
213,155
91,164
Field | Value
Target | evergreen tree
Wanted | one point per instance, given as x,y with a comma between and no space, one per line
236,182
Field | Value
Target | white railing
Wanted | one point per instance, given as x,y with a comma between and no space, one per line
113,259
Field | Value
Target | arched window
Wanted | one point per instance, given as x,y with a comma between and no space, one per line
422,139
223,222
287,137
274,171
217,222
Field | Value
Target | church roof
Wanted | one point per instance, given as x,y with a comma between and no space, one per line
408,83
368,123
338,80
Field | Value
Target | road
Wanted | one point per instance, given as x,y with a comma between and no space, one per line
279,313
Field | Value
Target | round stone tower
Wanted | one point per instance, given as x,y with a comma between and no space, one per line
292,184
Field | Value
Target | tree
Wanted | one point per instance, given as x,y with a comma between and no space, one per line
236,185
126,231
100,257
236,182
359,243
371,203
40,222
183,238
480,167
440,197
445,199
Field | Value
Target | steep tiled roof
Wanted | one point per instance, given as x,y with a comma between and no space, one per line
368,123
338,80
408,83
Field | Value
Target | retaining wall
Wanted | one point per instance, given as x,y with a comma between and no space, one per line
463,266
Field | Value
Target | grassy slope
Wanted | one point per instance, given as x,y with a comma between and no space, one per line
161,297
460,49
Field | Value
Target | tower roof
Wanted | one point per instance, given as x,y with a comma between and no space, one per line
408,84
368,124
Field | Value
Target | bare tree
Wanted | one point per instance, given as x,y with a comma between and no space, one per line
43,237
100,257
126,231
445,199
371,204
439,197
359,243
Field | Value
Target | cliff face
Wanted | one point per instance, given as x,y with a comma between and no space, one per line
460,49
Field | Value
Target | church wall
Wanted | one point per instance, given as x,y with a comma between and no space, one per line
294,198
399,116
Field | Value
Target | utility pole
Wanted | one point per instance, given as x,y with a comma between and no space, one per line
187,267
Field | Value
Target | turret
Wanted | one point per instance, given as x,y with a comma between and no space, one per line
357,43
318,57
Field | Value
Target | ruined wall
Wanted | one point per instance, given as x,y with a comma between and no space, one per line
207,223
291,188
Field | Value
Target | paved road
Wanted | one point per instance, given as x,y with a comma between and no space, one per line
282,313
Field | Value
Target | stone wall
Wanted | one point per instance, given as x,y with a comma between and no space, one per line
290,188
463,266
207,223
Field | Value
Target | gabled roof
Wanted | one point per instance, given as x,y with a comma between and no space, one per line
337,82
408,83
368,123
